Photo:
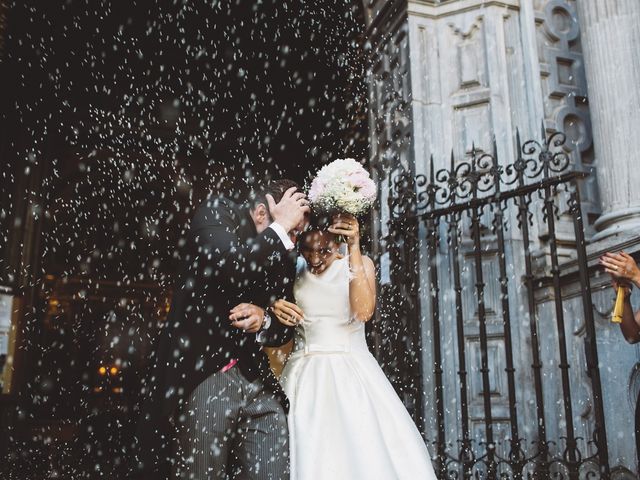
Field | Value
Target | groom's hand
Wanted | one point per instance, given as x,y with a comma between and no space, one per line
291,209
247,317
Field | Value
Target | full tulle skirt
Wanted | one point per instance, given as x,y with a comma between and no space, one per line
347,422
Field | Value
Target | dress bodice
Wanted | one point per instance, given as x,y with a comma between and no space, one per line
328,326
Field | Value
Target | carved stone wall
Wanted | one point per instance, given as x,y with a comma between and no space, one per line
448,76
564,89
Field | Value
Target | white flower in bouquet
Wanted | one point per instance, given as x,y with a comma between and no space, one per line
342,186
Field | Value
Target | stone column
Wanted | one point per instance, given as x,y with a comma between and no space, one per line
611,44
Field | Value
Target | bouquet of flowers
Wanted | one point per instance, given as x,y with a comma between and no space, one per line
342,186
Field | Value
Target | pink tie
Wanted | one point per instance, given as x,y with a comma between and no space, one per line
229,365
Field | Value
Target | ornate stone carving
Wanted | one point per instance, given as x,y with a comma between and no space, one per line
471,66
565,90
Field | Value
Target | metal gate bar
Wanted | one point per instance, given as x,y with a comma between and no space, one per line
549,211
433,225
516,455
523,202
476,212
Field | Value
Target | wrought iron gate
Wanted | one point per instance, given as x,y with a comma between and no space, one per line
466,211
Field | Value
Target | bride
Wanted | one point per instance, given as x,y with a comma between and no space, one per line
345,419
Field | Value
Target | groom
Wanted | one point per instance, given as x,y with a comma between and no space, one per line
211,402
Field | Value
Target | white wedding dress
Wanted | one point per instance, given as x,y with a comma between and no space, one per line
345,420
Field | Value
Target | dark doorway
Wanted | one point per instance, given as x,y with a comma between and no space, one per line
118,118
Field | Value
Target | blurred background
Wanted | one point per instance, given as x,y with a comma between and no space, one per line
117,120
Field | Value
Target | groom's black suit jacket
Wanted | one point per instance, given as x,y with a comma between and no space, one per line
224,262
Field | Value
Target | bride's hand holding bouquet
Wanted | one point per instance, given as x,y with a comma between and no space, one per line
343,190
347,228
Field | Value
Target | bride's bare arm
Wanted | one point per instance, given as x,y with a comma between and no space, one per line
362,287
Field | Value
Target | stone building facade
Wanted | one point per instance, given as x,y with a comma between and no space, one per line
450,76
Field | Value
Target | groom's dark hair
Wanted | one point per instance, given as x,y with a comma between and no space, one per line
275,188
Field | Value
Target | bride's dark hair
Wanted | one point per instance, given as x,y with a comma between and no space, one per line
318,222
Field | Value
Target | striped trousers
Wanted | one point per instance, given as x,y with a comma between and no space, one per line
231,428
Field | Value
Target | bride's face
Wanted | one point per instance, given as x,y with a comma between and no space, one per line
319,249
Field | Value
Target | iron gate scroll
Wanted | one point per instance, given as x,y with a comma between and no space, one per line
434,220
